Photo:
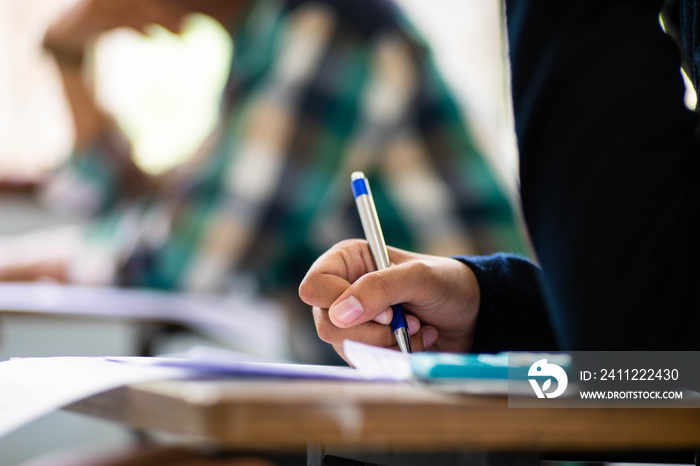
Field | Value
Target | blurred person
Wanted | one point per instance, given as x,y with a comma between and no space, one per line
608,158
317,90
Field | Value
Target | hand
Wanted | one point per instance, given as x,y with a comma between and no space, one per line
81,24
78,28
33,271
38,255
352,301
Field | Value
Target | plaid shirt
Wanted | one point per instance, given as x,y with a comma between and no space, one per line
317,90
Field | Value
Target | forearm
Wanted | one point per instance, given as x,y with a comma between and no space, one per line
95,130
88,119
97,135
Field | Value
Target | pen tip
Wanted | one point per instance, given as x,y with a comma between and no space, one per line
357,175
403,339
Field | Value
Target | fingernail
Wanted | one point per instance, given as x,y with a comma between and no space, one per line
348,310
430,336
383,318
413,324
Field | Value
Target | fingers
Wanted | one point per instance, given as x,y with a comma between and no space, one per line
373,293
322,289
352,300
337,268
334,271
371,333
425,339
169,15
339,349
90,18
340,280
140,14
25,272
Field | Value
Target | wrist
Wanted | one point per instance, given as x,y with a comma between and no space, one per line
472,301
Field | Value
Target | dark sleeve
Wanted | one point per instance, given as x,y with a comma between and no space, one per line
609,171
512,315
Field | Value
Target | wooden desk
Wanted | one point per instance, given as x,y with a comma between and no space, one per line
288,415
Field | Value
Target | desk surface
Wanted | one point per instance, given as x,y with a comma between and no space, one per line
290,414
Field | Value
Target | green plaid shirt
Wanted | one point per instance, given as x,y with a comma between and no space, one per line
317,90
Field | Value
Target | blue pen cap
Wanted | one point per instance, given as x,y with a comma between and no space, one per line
399,318
359,184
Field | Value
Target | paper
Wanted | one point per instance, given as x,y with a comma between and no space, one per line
376,363
32,387
254,324
371,364
204,364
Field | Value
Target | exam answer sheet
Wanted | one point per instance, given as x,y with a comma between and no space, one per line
33,387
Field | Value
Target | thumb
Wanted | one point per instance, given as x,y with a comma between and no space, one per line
372,295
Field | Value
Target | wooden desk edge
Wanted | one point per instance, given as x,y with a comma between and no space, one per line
288,415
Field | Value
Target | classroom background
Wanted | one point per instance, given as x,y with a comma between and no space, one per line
129,75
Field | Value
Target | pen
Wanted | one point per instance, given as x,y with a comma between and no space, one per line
375,238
